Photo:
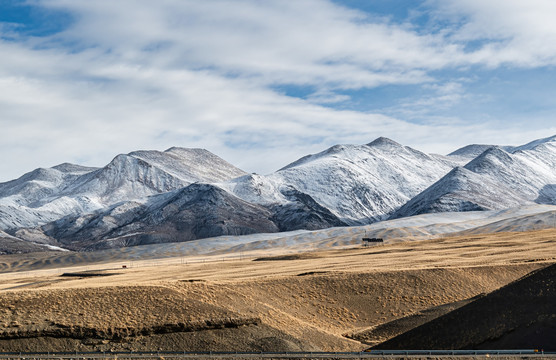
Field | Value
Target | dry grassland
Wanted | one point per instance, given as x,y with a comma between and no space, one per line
307,302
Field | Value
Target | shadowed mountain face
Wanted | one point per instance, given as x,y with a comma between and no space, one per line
302,212
547,195
132,200
196,211
13,245
521,315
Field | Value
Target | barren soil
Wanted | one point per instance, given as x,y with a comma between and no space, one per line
278,303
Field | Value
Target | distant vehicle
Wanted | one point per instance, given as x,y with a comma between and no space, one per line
367,240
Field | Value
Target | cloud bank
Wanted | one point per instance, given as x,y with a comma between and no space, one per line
261,83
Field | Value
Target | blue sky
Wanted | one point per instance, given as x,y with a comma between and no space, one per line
262,83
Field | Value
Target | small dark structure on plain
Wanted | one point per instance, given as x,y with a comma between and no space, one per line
367,241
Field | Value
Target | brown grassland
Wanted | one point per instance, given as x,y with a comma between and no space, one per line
333,300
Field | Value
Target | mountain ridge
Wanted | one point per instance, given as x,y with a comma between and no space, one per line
121,204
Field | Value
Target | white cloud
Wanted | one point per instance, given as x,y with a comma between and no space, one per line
514,32
130,75
439,97
301,42
325,96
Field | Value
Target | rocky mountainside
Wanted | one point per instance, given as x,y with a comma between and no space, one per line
13,245
183,194
193,212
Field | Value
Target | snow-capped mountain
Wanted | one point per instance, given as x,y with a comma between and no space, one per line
23,202
45,195
358,184
143,173
184,194
495,179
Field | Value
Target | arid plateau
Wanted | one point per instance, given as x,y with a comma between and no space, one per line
342,299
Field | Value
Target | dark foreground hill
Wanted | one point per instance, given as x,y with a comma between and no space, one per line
521,315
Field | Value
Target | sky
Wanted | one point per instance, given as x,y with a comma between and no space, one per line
262,83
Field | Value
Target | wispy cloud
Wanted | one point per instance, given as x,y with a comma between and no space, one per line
511,32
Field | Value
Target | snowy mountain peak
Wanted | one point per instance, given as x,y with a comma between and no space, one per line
191,165
182,150
41,183
460,190
535,143
121,160
331,151
354,153
174,151
496,179
73,168
336,149
384,142
472,150
362,183
40,174
148,172
490,158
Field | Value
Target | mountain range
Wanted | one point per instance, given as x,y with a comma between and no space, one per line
147,197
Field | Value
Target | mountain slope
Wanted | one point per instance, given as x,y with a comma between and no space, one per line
459,190
196,211
495,179
13,245
21,199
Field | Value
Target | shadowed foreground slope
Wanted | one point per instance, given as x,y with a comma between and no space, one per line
521,315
